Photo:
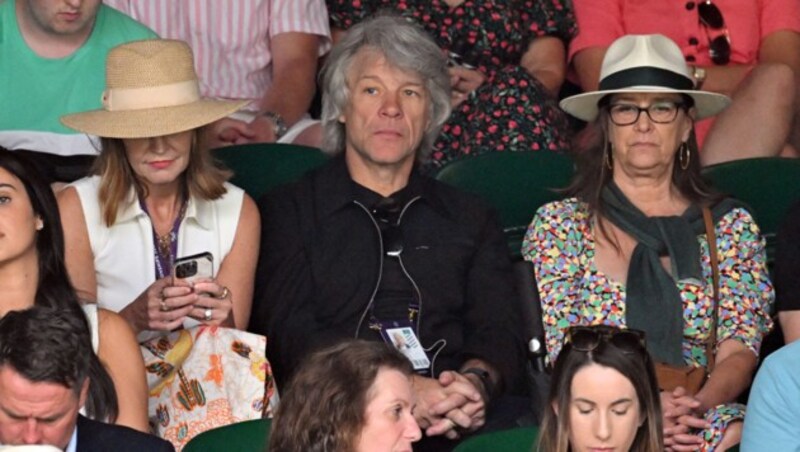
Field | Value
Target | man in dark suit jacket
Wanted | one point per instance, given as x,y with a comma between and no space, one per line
98,436
46,364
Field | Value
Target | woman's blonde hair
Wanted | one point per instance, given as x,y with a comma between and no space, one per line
204,177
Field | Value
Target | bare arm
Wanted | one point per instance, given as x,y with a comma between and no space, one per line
587,64
784,47
294,71
790,324
546,61
781,47
683,412
119,353
78,250
237,271
731,375
725,79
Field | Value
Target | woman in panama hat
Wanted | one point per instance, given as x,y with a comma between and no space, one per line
629,246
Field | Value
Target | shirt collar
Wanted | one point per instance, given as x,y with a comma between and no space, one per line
73,441
333,180
199,212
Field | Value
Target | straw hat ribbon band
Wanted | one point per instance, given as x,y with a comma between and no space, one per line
645,76
171,95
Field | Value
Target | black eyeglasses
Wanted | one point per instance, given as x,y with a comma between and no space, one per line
663,112
711,17
386,212
588,338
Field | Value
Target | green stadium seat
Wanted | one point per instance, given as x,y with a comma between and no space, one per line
768,185
515,440
260,167
515,183
247,436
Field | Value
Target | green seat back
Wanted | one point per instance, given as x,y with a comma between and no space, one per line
767,185
515,183
515,440
259,167
247,436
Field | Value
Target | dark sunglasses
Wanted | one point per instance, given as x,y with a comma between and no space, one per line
711,17
588,338
386,213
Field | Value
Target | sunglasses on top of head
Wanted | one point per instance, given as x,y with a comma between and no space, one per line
589,338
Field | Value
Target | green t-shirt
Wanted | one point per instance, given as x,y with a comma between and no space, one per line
35,92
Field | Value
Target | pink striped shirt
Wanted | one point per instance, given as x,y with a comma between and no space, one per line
231,38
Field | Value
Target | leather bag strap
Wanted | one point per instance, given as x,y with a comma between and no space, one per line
711,344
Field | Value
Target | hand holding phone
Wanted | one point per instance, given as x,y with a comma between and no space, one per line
190,269
213,304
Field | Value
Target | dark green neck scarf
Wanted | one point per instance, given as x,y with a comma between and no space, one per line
653,302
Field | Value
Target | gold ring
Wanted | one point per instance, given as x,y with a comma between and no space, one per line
207,315
224,294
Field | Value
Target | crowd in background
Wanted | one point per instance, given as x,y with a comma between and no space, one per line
368,306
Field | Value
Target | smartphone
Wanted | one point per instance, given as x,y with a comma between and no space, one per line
193,268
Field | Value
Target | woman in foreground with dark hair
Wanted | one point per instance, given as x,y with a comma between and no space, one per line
632,245
604,394
32,272
354,396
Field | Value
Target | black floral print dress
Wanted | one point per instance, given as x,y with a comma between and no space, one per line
511,111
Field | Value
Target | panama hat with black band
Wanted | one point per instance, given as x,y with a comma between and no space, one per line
644,64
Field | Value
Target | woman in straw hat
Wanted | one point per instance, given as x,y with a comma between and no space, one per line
629,247
155,197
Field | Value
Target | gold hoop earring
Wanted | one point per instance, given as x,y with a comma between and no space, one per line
684,156
607,157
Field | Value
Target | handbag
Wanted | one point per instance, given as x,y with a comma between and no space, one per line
206,377
691,377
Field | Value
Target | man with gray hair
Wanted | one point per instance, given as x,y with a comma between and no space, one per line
367,247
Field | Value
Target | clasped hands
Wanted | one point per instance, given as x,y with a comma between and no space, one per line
165,305
448,405
682,414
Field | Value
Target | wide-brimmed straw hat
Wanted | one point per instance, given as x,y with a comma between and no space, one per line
151,90
644,64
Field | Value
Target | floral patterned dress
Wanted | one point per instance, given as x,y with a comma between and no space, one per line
511,111
560,243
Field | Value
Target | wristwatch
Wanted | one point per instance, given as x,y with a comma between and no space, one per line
485,378
278,124
699,75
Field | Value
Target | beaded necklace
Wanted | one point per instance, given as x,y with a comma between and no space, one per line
165,246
